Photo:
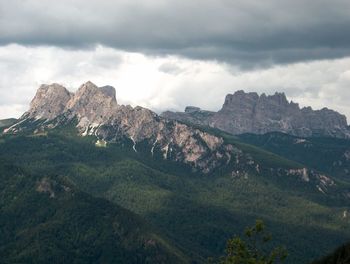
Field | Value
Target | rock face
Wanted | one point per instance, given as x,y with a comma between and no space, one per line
98,113
109,91
49,101
92,105
250,113
192,115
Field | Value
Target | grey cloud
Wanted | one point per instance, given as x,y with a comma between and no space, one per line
246,33
23,69
188,82
170,68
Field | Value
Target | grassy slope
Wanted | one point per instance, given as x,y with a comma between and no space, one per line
198,212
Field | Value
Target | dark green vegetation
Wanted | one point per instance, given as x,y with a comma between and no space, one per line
253,248
330,155
6,123
197,212
45,219
340,256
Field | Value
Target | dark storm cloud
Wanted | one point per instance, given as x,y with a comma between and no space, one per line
247,33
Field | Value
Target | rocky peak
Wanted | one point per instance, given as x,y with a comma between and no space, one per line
251,100
240,99
96,105
89,89
49,101
109,91
250,113
98,114
278,98
192,109
324,118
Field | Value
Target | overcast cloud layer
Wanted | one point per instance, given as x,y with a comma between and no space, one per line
169,54
162,83
245,32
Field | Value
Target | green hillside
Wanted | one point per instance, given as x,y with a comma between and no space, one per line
197,212
7,122
331,155
340,256
45,219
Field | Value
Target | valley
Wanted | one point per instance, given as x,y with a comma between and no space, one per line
132,176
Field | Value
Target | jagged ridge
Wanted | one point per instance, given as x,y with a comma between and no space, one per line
99,114
250,113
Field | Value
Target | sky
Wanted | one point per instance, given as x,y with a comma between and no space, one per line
169,54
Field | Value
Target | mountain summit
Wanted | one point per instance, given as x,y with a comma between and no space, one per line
250,113
91,102
96,112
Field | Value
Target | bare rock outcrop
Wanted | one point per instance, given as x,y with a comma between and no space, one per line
250,113
49,101
92,105
98,114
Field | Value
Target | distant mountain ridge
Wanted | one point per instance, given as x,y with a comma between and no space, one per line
259,114
97,113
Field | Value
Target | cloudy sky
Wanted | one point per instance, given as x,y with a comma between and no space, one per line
169,54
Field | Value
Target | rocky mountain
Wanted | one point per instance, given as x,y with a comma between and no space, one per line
145,163
49,101
307,210
97,113
250,113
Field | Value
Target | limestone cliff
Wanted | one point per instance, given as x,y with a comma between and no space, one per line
97,113
250,113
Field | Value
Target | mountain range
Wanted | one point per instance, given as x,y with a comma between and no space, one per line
250,113
131,186
98,113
